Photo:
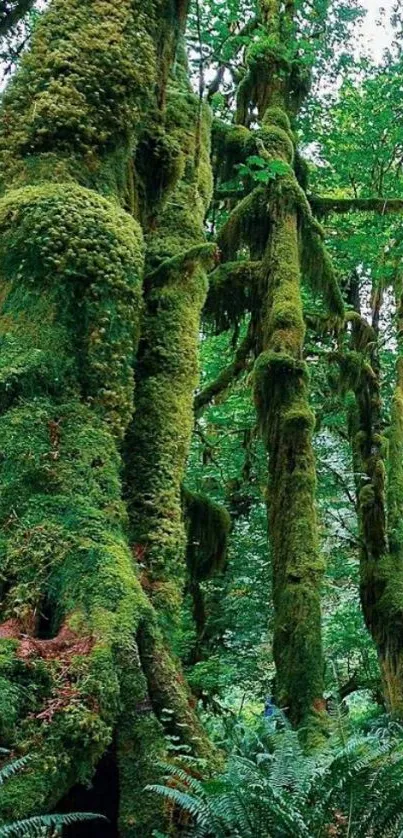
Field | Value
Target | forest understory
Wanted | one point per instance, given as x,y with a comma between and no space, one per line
201,418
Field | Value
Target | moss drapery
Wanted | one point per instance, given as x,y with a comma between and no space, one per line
275,223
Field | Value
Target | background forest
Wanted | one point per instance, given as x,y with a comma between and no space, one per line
201,419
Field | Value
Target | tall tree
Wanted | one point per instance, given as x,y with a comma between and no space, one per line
84,666
274,221
363,151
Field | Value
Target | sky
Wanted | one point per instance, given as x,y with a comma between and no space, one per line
377,37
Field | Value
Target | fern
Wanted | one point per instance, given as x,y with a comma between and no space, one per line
41,825
12,768
272,789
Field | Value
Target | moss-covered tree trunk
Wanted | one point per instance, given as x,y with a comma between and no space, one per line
274,221
379,479
167,368
82,661
283,407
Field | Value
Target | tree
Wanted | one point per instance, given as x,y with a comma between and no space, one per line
370,377
268,221
83,663
107,159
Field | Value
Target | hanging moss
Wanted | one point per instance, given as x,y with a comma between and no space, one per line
275,222
317,267
231,145
247,225
268,63
287,424
208,527
228,374
232,293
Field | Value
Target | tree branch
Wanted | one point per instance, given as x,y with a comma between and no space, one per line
383,206
225,378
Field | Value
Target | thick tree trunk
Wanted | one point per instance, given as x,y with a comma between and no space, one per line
81,654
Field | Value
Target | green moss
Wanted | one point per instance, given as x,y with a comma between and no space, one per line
268,64
233,291
287,423
247,225
86,255
71,265
277,141
60,102
271,221
231,145
171,695
208,526
167,371
317,266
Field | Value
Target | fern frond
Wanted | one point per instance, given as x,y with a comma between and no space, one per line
8,771
191,805
32,827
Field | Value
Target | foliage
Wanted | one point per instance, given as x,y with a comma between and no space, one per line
272,789
41,825
107,180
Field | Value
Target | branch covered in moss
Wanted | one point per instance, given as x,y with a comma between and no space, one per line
226,376
323,206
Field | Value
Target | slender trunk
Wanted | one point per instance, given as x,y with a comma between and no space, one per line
288,422
285,416
379,479
276,223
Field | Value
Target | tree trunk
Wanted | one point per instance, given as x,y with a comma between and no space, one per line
284,413
287,422
82,659
379,480
167,369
